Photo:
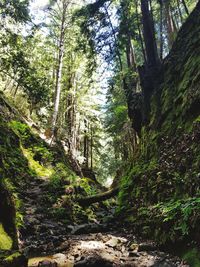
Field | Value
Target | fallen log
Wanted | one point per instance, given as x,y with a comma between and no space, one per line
86,201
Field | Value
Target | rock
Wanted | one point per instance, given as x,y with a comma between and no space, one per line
93,262
113,242
88,228
133,246
65,245
47,263
147,247
134,254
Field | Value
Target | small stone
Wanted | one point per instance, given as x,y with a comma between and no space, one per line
147,247
134,254
47,263
112,242
63,246
133,246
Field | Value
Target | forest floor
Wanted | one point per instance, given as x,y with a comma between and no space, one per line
48,242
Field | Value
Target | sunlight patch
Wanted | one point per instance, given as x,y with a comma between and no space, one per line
92,245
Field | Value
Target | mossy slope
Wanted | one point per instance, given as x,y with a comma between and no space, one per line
25,157
160,194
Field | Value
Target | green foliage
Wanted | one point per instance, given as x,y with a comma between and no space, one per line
60,214
183,214
86,184
17,202
22,130
18,10
43,155
61,174
13,164
35,166
5,240
37,151
192,257
12,257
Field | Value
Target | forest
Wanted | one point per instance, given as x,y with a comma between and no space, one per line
99,133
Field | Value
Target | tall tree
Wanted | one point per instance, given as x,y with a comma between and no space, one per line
63,8
149,36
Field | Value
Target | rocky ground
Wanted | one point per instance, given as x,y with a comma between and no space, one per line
51,243
107,250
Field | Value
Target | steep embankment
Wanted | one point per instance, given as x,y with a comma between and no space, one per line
160,194
38,189
13,167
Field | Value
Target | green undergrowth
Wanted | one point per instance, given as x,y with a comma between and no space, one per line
169,222
64,186
161,203
25,157
63,189
192,256
35,166
14,174
5,239
35,148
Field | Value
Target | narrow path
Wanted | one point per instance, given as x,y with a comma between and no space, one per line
42,233
83,245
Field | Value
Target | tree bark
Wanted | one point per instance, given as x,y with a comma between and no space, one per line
140,34
59,69
179,11
87,201
149,36
161,29
169,24
185,7
85,151
91,148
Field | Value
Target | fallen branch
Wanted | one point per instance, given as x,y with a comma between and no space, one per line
98,198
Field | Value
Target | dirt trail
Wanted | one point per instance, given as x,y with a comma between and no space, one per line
81,245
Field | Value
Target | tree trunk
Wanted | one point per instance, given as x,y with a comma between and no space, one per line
185,7
149,37
59,69
161,29
16,89
91,149
169,24
179,11
140,34
87,201
85,152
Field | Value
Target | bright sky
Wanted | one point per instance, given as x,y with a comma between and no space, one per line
36,9
35,4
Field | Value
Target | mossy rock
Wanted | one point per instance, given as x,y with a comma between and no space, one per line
16,259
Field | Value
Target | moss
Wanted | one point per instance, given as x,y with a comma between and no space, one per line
15,260
36,166
5,239
192,257
13,256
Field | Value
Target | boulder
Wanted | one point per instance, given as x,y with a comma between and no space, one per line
47,263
